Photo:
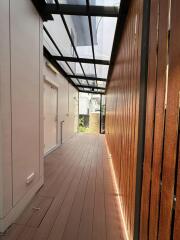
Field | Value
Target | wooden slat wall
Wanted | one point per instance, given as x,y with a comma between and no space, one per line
122,111
160,197
160,202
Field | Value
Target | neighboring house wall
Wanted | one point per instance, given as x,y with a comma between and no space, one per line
84,104
67,103
21,129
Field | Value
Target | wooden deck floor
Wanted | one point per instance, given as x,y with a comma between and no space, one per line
77,201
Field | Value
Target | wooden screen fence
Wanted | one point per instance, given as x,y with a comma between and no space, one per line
160,194
160,205
122,111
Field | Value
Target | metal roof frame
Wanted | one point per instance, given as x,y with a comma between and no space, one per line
88,78
47,9
82,60
80,10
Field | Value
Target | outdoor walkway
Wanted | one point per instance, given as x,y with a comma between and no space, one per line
77,201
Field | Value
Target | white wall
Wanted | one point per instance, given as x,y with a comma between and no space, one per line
5,112
67,103
21,106
21,116
68,95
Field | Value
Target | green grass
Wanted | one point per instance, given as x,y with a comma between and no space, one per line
84,129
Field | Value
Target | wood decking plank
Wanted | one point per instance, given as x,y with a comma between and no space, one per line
99,220
47,224
60,223
81,203
72,226
114,230
86,223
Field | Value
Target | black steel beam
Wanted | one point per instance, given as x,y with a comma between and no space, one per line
93,87
82,60
69,9
69,35
100,119
142,113
48,56
123,11
71,40
40,6
91,35
52,40
103,93
88,78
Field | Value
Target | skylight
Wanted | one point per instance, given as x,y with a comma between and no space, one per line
79,37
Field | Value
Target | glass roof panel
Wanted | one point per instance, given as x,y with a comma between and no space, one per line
65,67
103,35
113,3
102,70
75,81
73,2
92,83
101,91
50,1
101,84
83,81
103,30
49,45
58,33
89,69
73,66
80,33
76,68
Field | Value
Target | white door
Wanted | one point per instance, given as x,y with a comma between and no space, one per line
50,116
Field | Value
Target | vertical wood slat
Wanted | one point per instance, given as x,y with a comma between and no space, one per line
159,119
161,139
177,209
132,28
150,108
159,213
172,127
175,72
